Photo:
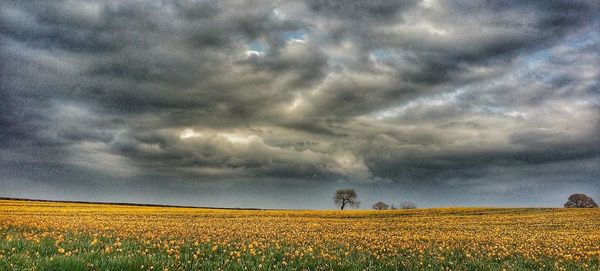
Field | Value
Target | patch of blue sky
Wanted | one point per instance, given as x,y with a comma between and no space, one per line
589,38
536,58
383,54
258,46
574,43
294,35
435,100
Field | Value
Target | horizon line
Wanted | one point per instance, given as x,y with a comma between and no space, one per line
248,208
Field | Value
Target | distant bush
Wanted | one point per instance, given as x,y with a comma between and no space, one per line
408,205
380,206
580,201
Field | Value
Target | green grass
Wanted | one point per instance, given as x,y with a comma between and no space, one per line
22,254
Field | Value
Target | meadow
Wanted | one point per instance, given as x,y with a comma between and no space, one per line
73,236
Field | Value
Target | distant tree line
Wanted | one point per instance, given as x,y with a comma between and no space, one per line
384,206
347,198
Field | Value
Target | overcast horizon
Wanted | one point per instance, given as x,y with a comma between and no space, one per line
276,104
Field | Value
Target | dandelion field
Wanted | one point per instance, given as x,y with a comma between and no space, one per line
72,236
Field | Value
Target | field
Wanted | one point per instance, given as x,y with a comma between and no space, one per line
70,236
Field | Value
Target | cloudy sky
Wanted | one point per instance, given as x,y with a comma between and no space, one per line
278,104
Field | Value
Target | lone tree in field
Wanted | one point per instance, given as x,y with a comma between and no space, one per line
408,205
345,197
580,201
380,206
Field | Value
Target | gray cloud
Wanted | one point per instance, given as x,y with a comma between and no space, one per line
427,98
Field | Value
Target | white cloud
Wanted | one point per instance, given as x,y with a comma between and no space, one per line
189,133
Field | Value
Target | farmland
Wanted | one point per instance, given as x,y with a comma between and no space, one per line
73,236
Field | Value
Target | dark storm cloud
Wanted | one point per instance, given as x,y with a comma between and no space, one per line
352,10
149,95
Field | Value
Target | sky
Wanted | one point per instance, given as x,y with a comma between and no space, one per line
277,104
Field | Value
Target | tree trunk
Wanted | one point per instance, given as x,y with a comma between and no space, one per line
343,204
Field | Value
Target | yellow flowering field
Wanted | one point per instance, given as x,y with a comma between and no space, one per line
71,236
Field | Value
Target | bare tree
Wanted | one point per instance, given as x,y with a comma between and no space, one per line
408,205
392,207
380,206
345,197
